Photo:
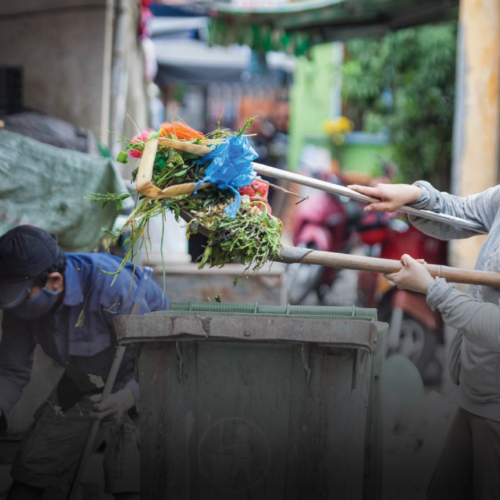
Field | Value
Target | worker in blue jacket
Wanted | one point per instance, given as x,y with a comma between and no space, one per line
66,303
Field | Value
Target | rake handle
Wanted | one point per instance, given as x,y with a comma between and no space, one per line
296,255
293,255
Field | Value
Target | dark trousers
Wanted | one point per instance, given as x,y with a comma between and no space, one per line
47,459
469,466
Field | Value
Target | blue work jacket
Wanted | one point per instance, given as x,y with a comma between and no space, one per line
79,334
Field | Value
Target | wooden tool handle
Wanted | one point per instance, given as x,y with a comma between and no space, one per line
178,189
187,147
139,298
385,266
144,183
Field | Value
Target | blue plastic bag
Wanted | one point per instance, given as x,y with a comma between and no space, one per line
231,168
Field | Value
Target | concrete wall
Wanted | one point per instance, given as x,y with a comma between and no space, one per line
477,114
129,99
62,47
66,48
311,98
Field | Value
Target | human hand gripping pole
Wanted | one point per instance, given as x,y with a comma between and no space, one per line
109,411
110,381
412,276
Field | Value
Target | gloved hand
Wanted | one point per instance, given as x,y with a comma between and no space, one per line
110,411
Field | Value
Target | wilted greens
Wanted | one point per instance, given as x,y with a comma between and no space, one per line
252,236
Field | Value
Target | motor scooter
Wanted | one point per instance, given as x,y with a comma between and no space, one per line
322,222
414,329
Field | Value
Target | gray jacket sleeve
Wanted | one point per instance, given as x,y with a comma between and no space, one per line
478,321
454,357
481,208
475,320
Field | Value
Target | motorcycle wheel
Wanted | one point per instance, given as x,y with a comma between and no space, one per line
301,279
418,343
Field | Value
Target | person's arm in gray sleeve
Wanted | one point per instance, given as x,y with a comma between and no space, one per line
478,321
481,208
16,360
454,357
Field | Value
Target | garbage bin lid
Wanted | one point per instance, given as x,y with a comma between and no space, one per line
260,325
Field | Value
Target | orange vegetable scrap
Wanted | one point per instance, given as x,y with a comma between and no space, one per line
180,131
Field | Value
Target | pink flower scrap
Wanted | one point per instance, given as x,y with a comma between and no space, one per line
140,137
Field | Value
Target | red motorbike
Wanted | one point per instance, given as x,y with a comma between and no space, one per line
414,329
322,222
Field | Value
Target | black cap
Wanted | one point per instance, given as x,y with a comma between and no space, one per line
25,252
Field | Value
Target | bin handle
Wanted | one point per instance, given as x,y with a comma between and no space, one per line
304,351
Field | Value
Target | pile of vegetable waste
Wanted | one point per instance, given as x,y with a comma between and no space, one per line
233,208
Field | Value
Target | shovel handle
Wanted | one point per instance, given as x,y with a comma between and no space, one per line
296,255
110,382
144,183
292,255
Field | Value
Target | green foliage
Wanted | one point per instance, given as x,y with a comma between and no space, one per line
251,237
122,157
404,84
117,198
254,239
97,381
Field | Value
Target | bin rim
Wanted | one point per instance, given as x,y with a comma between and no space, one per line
256,308
335,332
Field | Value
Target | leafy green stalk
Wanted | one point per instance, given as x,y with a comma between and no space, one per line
253,239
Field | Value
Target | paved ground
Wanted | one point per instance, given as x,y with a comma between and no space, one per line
92,486
412,448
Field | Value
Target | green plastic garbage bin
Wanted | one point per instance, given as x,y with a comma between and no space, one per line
241,401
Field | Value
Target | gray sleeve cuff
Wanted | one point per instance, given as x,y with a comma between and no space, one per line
134,387
437,292
427,198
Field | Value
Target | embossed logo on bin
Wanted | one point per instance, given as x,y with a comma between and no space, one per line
234,454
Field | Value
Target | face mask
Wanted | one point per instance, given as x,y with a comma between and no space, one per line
37,306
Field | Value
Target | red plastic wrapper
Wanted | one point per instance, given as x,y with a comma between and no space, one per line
257,191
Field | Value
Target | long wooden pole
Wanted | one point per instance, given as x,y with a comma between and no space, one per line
299,255
295,255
